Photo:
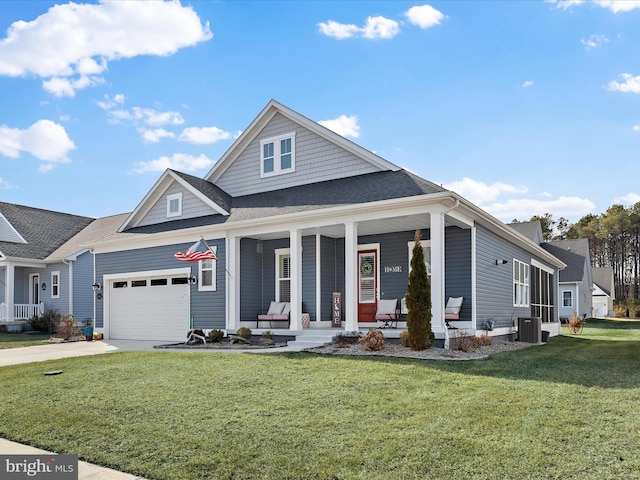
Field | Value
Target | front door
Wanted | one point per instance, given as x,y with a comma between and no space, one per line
34,289
367,285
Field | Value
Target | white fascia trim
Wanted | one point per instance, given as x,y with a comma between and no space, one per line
197,193
23,262
160,239
145,205
542,266
22,240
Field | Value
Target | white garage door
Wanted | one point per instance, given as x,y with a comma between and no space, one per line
149,308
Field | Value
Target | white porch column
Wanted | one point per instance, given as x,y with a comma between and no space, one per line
10,280
437,275
350,301
233,283
318,278
295,249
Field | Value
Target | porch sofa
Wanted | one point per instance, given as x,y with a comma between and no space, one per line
278,312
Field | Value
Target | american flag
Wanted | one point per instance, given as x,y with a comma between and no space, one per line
198,251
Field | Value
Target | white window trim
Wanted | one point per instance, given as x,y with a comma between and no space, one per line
55,284
214,270
427,261
570,298
280,252
277,170
174,196
525,302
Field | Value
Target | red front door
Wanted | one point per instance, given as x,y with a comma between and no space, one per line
367,285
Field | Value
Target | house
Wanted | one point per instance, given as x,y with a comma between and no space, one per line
296,213
576,280
603,292
32,273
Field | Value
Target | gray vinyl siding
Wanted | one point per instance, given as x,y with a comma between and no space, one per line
60,304
331,273
8,233
494,283
192,207
316,160
457,268
251,285
309,276
207,308
82,290
3,277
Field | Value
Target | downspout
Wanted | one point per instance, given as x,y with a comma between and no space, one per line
69,263
443,323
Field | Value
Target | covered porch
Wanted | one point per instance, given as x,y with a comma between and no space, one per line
20,295
307,263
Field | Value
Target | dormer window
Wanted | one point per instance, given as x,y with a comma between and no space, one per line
174,205
278,155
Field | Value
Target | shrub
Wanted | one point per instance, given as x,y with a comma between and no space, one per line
215,335
575,324
67,327
47,321
419,300
404,338
481,341
461,341
373,341
267,334
244,332
344,339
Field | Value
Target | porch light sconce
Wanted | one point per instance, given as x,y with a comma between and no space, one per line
96,287
501,262
193,280
44,287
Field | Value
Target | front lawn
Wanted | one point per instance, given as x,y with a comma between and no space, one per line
13,340
567,409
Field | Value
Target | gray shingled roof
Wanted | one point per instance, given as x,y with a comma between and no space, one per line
572,252
371,187
527,229
211,191
43,230
603,278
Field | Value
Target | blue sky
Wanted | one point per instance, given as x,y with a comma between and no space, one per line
521,107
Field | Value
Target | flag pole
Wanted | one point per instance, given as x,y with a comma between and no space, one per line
211,250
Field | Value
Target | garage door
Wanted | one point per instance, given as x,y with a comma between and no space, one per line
149,308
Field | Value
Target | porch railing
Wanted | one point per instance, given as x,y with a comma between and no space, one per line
21,311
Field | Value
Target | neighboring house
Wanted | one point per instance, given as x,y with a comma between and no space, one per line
576,280
296,213
603,292
29,278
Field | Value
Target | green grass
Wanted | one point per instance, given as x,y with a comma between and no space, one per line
567,409
14,340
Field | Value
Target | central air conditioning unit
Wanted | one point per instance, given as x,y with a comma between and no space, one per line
529,329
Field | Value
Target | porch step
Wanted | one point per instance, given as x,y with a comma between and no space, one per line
312,338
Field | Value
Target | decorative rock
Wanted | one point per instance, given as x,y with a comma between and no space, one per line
233,339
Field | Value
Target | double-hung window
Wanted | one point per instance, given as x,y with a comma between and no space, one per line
567,298
283,275
174,205
426,251
207,274
55,284
278,155
521,283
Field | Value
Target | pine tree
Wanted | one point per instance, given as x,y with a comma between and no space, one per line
419,300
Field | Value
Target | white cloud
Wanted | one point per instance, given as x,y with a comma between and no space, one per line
343,125
45,140
628,199
155,135
380,27
527,84
204,135
110,103
615,6
480,192
636,128
147,116
525,208
424,16
338,30
71,44
4,185
178,161
625,83
594,41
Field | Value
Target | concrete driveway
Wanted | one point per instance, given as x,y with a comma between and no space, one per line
54,351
